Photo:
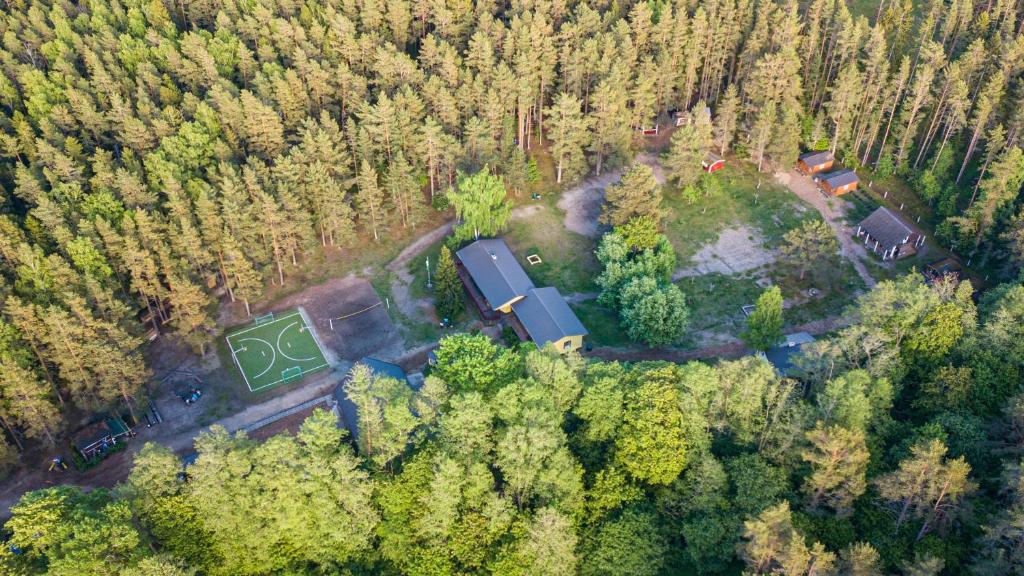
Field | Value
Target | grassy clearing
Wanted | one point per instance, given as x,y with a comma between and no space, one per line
603,325
568,261
772,209
716,300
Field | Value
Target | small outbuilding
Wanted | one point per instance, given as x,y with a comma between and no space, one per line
945,268
888,235
781,356
379,369
547,319
815,161
712,163
687,117
97,439
839,182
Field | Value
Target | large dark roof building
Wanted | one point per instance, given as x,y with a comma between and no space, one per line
500,288
496,272
887,234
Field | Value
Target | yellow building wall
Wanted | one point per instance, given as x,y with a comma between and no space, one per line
575,343
507,307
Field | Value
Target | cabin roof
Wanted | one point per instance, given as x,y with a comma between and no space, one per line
547,317
886,227
495,271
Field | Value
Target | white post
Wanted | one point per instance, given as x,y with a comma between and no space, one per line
876,247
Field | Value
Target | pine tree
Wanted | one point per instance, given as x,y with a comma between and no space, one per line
568,131
26,400
726,118
242,279
839,460
638,194
190,319
449,299
612,135
370,198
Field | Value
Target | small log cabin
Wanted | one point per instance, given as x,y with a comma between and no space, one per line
712,162
839,182
888,235
815,161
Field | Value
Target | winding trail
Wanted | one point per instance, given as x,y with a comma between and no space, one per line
727,350
410,307
849,248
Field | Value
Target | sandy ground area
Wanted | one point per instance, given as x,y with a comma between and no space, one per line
582,203
414,308
738,249
832,211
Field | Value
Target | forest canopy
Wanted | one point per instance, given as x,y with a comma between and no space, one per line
158,158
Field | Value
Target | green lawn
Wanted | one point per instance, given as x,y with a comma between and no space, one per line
715,301
568,260
772,209
602,324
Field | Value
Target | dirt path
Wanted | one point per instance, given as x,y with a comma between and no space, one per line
582,203
848,247
413,307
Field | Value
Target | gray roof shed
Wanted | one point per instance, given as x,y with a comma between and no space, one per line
815,158
781,356
840,177
547,317
495,271
887,228
379,369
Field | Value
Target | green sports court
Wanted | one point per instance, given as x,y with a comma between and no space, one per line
276,349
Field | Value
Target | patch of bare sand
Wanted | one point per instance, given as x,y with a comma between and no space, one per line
582,203
738,249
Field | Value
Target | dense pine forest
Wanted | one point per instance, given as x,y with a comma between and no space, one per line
160,158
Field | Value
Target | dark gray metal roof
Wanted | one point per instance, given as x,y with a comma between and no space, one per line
547,317
816,157
781,356
840,177
886,227
495,271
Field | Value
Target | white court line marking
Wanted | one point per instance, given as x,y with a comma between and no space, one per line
237,363
255,326
273,357
281,333
274,383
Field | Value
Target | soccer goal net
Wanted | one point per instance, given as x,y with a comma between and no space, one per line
263,319
291,374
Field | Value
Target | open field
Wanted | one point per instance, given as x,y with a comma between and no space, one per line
771,209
